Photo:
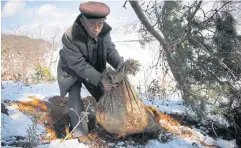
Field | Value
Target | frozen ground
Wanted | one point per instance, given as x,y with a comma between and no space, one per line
17,124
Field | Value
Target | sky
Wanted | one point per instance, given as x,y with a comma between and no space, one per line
45,17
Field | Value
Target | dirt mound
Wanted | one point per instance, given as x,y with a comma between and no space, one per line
53,114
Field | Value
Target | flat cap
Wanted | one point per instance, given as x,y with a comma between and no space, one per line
94,10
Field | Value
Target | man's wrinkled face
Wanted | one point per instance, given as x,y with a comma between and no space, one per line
94,27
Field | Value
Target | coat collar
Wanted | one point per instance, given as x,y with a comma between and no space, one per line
79,33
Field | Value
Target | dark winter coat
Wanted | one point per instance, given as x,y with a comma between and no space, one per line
76,58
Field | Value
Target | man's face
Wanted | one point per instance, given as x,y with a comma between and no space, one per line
94,27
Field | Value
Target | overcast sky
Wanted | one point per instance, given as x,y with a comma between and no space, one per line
32,16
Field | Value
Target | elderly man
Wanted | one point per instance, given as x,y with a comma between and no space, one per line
87,47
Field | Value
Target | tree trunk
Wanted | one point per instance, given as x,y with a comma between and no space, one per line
174,66
167,48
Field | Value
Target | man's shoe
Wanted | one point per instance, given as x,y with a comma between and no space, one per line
84,139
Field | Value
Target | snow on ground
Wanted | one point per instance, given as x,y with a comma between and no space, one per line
11,124
16,124
169,104
18,91
72,143
173,144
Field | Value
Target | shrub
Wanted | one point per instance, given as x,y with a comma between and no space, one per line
42,74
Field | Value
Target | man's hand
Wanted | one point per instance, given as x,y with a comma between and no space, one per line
107,85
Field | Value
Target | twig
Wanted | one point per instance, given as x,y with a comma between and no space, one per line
190,20
3,122
96,140
216,11
214,131
80,120
124,6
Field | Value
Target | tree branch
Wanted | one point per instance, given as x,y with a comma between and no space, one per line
189,19
144,21
216,11
195,11
223,65
124,4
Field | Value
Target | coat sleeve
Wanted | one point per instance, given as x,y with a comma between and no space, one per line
113,57
76,61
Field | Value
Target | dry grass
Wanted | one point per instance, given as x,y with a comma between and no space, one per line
173,126
38,109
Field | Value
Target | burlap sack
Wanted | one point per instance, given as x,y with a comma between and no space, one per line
121,111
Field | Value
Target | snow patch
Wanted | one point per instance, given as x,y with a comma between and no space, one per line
226,144
16,124
73,143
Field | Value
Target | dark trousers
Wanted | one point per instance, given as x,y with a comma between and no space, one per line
76,107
